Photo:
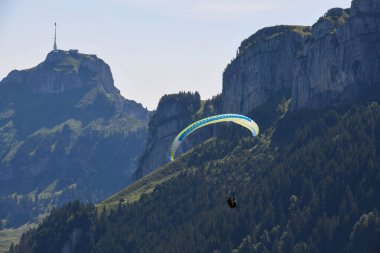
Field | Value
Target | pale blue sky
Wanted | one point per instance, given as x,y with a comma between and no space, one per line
154,47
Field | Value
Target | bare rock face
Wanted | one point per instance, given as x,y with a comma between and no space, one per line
342,59
333,62
318,70
263,66
63,71
174,112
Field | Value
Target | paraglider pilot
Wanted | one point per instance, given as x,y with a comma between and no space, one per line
231,202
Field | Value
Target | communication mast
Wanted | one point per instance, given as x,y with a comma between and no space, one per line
55,37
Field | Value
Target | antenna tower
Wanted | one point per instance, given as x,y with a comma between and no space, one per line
55,37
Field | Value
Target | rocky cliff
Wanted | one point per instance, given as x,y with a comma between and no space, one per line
64,71
175,112
334,61
263,66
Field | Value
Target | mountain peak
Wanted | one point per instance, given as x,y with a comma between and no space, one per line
63,71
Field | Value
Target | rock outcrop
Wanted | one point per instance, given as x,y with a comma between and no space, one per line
341,61
263,66
63,71
174,112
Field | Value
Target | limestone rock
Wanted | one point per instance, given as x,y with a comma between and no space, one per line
63,71
174,112
341,62
333,62
263,66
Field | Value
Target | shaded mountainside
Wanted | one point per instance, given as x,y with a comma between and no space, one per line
65,133
307,184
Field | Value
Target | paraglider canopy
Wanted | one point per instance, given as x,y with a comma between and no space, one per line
236,118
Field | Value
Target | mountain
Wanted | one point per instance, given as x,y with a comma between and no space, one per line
65,133
308,183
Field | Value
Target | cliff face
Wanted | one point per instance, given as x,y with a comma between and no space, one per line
341,60
332,62
63,71
174,113
263,66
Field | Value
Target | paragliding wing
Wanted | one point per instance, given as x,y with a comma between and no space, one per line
236,118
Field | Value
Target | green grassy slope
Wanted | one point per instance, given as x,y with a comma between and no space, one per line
148,183
12,235
142,186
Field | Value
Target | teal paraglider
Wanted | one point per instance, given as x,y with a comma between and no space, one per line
236,118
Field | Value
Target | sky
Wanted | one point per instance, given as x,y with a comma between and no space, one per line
154,47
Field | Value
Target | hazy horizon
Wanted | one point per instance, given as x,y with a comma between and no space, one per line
153,47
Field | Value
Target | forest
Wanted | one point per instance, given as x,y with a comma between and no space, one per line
309,183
